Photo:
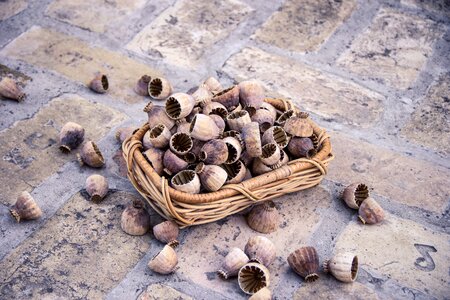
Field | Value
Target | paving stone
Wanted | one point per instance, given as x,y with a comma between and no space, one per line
393,49
403,179
186,31
442,6
29,149
403,250
159,291
201,253
120,167
304,25
430,122
95,15
19,76
9,8
323,94
81,252
78,61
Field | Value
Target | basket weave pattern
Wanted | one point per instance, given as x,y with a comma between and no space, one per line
188,209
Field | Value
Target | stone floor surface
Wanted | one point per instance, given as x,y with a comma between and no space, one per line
375,74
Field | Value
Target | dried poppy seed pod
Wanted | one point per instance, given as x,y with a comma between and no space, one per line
275,134
252,277
196,110
237,120
234,260
172,163
264,217
183,127
164,262
214,152
251,93
123,133
215,108
181,143
343,266
202,94
25,208
264,118
252,139
100,83
159,136
135,220
155,157
261,250
355,194
262,294
236,172
90,155
9,89
299,127
235,109
270,154
220,123
234,149
259,168
246,158
269,107
213,85
204,128
370,212
70,136
212,177
235,134
284,159
301,147
157,115
197,147
167,232
141,87
228,97
159,88
305,262
285,116
97,187
179,105
186,181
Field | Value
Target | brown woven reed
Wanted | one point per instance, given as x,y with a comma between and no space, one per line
188,209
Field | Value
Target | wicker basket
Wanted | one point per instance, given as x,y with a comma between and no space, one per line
188,209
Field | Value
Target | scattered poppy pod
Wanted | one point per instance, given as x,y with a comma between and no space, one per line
181,143
234,149
167,232
202,95
259,168
343,266
305,262
270,154
251,93
237,120
135,220
97,187
299,127
234,260
212,177
228,97
269,107
252,139
100,83
9,89
172,163
141,87
213,85
301,147
215,108
159,88
236,172
264,118
179,105
25,208
214,152
370,212
275,134
261,250
220,123
284,159
157,115
252,277
70,136
264,217
186,181
165,261
355,194
123,133
285,116
204,128
90,155
155,157
183,127
262,294
159,136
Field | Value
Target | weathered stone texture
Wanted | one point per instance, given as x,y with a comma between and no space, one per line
9,8
159,291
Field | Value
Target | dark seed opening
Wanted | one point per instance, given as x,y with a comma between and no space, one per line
233,169
173,108
232,153
183,177
194,120
268,150
189,157
311,153
237,114
155,87
220,111
251,110
280,137
65,149
97,151
199,168
361,193
202,155
105,83
354,268
156,131
181,142
284,116
138,204
252,279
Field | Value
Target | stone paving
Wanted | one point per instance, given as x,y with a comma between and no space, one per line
376,74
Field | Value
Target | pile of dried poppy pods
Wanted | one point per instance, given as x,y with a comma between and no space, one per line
357,196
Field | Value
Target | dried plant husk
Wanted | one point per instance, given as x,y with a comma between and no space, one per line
25,208
220,123
233,262
90,155
284,159
246,158
10,90
261,250
157,115
181,143
269,107
262,294
155,157
301,147
135,220
253,277
270,154
70,136
214,152
299,127
370,212
275,134
259,168
355,194
236,172
228,97
159,88
235,134
264,217
159,136
285,116
196,110
212,177
234,149
167,232
186,181
202,94
215,108
197,148
123,133
252,139
213,85
305,262
97,187
251,93
235,109
179,105
204,128
165,261
264,118
237,120
99,83
343,266
183,127
141,87
173,163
